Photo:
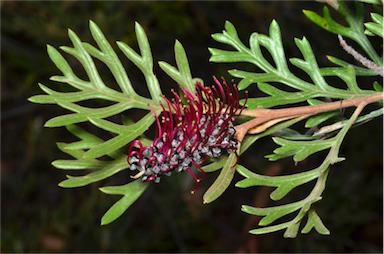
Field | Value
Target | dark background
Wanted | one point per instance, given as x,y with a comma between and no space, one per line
39,216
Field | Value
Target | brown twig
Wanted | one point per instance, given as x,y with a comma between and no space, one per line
363,60
265,116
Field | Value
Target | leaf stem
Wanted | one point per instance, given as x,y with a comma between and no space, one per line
262,116
332,158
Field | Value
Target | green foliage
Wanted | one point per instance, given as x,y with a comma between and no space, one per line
284,184
355,29
271,80
223,180
106,157
281,73
131,192
89,150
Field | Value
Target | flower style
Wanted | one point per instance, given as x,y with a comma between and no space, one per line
188,134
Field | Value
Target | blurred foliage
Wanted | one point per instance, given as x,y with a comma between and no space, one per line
38,216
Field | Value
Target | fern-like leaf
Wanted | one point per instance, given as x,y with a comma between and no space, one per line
105,158
281,88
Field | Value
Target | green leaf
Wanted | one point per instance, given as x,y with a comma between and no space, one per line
284,184
222,181
377,87
89,152
136,186
371,1
183,65
309,64
326,22
83,114
292,230
354,30
60,62
332,71
126,135
79,164
348,75
109,57
85,59
76,153
281,87
110,169
216,165
87,140
294,135
265,230
181,74
319,118
278,97
273,213
314,221
375,27
270,74
314,196
131,191
143,62
275,75
299,149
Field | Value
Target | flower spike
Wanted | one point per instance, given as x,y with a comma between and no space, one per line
188,134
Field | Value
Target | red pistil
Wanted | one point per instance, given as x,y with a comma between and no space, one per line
188,134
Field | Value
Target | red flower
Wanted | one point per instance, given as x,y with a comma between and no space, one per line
189,134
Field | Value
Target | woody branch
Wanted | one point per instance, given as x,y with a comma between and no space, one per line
268,117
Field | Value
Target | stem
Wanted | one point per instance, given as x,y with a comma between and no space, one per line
263,116
363,60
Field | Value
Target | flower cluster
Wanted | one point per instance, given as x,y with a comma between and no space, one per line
187,134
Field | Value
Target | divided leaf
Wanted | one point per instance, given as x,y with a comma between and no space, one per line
181,74
90,152
272,76
283,184
299,149
273,213
315,222
278,72
131,191
375,27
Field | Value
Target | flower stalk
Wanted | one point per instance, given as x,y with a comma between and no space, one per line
265,118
